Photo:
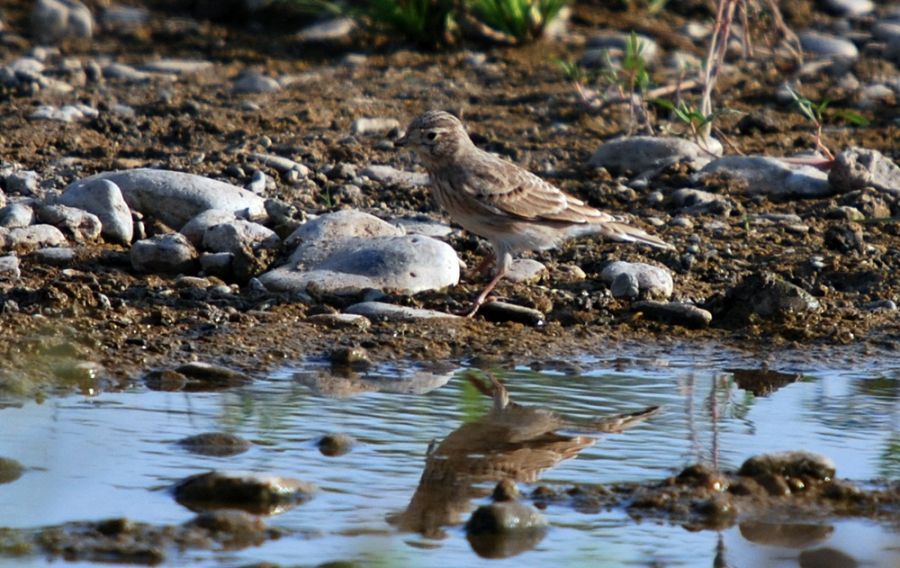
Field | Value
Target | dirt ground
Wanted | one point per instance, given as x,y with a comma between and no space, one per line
518,103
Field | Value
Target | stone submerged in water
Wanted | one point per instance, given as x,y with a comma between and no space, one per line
219,444
335,444
252,492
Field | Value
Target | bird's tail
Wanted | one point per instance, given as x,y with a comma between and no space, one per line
622,233
620,422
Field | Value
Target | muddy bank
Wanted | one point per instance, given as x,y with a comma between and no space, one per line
89,319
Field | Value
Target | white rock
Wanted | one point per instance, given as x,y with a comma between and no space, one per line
640,154
374,126
280,163
23,182
828,46
237,234
16,215
68,113
126,72
771,176
171,253
851,8
319,237
381,311
856,168
34,237
402,265
525,270
254,82
83,226
427,227
176,66
196,227
654,281
328,31
104,199
392,176
54,20
176,197
9,268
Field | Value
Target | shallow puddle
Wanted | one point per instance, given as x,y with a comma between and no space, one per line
114,455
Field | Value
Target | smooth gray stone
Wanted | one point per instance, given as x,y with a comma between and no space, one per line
328,31
16,215
54,20
828,46
171,253
856,168
653,281
699,202
638,154
254,82
770,176
676,313
9,268
104,199
176,197
23,182
525,270
504,311
176,66
403,265
196,228
504,517
850,8
59,256
381,311
35,237
319,237
232,236
389,175
83,226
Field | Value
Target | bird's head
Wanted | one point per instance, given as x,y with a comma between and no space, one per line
435,135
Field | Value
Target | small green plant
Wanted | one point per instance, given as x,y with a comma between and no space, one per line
427,22
815,113
631,78
523,20
691,117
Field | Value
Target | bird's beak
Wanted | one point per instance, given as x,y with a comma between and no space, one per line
402,141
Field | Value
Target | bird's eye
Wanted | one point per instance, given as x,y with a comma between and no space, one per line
431,135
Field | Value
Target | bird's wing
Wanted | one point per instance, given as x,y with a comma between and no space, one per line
509,190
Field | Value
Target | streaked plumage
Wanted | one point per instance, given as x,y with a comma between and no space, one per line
512,208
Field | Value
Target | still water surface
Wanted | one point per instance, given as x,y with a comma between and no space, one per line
113,455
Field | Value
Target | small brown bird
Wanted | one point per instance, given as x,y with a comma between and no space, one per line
512,208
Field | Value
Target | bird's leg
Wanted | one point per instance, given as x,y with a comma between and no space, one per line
484,294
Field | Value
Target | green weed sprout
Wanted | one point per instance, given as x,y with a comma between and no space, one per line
524,20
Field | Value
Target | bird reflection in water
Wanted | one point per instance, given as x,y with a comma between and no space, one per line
511,442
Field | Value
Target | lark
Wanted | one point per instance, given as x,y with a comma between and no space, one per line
515,210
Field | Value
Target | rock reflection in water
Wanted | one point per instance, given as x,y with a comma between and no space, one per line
509,442
346,381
